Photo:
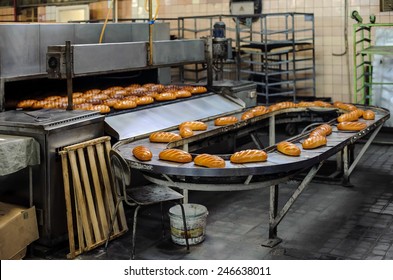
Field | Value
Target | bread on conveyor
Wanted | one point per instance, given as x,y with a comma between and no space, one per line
247,115
142,153
182,93
225,120
103,109
368,115
210,161
197,90
144,100
348,117
320,103
164,96
323,130
250,155
24,104
124,104
351,126
344,106
185,131
259,110
164,137
314,142
175,155
194,125
288,148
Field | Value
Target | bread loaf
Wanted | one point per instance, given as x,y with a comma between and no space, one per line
323,130
103,109
175,155
368,115
166,96
247,115
185,131
194,125
359,112
288,148
225,120
344,106
25,103
323,104
210,161
306,104
259,110
248,156
124,104
351,126
314,142
348,117
142,153
164,137
144,100
197,90
182,93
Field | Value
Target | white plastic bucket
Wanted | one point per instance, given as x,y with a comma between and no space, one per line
195,221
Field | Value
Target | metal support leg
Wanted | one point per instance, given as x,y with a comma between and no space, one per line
256,140
274,218
272,130
273,239
346,182
31,199
133,232
112,222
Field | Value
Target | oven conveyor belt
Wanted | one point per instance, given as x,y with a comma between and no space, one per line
276,163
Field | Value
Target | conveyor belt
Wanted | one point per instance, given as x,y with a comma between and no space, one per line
277,163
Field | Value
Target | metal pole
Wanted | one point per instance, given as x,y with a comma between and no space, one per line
272,130
68,58
151,32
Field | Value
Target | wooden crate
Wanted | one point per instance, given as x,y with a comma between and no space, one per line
89,195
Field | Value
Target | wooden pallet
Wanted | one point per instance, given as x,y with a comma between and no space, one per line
89,195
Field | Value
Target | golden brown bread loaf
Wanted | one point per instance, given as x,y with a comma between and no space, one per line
247,115
288,148
348,117
359,112
185,131
314,142
368,115
197,90
344,106
164,137
142,153
250,155
286,104
274,107
323,130
323,104
175,155
351,126
124,104
165,96
306,104
25,103
182,93
210,161
259,110
144,100
103,109
194,125
225,120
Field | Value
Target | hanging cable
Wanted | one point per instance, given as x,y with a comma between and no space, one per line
105,23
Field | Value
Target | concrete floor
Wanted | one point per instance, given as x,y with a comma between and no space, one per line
328,221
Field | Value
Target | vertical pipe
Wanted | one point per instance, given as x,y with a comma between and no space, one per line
273,211
151,32
68,58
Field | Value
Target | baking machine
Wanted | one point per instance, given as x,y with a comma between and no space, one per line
35,60
277,169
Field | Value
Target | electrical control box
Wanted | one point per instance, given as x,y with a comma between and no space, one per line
386,5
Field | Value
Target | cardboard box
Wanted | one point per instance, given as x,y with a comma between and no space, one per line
18,228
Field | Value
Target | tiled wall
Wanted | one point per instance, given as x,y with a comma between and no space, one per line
333,73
